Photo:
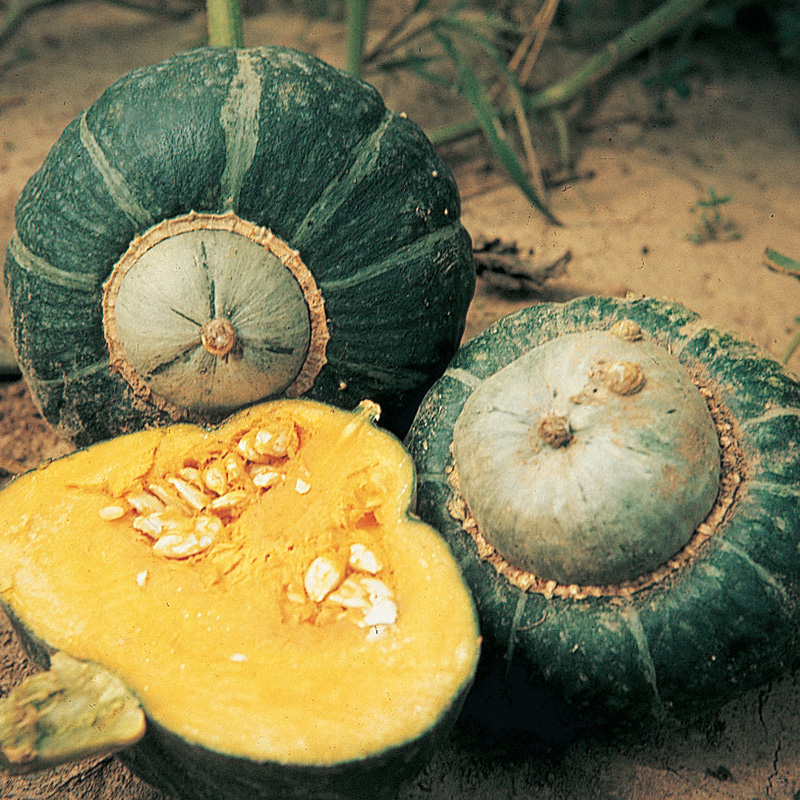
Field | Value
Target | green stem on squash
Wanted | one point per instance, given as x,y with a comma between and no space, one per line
224,23
356,35
73,710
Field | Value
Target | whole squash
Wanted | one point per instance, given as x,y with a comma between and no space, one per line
620,483
248,611
232,225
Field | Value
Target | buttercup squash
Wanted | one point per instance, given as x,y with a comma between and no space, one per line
620,483
248,611
229,226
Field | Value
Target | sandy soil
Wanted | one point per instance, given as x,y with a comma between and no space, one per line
625,225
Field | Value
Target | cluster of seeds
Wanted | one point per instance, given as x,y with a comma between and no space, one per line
184,513
352,589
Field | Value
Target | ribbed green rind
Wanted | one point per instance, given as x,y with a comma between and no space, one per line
286,142
729,621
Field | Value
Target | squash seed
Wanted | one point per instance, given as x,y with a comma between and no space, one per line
229,500
376,589
176,546
321,578
112,512
191,475
234,468
382,612
279,443
264,477
350,594
151,525
363,560
214,478
192,495
144,502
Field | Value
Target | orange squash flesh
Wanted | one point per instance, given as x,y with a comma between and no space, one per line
229,648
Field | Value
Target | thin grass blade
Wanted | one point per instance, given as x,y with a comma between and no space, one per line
489,122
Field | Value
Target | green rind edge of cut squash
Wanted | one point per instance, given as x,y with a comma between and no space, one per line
316,157
189,772
730,621
192,772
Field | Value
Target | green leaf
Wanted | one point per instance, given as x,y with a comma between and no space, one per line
490,124
780,263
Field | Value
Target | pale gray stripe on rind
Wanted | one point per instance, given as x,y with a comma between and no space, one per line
463,376
431,477
763,573
239,117
773,413
50,383
115,182
775,488
393,261
36,265
688,333
519,610
339,190
630,616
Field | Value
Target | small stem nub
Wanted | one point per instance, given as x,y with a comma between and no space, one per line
553,429
218,337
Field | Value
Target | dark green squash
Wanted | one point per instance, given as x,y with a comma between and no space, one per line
229,226
716,612
245,612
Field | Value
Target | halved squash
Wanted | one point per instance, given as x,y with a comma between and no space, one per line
259,589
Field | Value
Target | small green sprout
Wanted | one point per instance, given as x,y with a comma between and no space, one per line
785,265
713,226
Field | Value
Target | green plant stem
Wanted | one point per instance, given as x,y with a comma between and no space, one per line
356,35
793,345
224,23
665,18
635,39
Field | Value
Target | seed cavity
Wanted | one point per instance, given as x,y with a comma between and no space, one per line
183,513
355,591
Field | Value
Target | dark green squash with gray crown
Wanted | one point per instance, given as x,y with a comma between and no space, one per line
620,483
228,226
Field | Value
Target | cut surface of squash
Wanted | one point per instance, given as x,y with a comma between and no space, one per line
260,587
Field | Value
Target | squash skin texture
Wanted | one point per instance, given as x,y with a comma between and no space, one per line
182,764
313,155
726,621
618,491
